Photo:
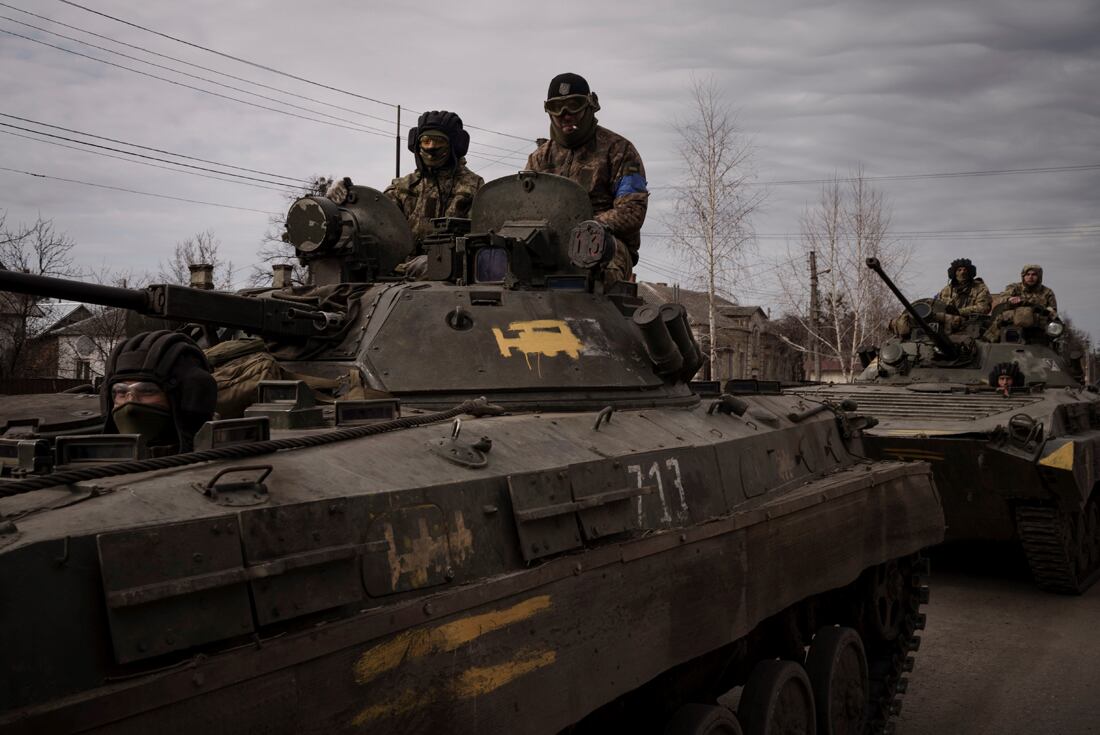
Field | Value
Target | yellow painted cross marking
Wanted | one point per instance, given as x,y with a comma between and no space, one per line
546,337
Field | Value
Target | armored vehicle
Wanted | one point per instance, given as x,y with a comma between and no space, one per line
522,520
1019,462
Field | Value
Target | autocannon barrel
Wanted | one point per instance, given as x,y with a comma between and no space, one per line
945,346
261,316
61,288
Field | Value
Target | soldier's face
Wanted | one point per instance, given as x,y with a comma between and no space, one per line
962,274
434,149
138,392
1031,278
1004,381
567,112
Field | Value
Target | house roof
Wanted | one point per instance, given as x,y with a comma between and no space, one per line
696,303
89,325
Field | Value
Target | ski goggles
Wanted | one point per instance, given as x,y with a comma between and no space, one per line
574,104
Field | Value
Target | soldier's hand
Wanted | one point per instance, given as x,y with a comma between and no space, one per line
337,192
1014,300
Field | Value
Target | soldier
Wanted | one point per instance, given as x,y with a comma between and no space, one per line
158,384
1030,291
604,163
1025,305
965,294
1005,376
441,185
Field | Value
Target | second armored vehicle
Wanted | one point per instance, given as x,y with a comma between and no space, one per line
1016,462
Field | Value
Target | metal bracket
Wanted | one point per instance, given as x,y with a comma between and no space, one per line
464,454
251,491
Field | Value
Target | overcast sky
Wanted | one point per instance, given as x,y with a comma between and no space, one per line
899,88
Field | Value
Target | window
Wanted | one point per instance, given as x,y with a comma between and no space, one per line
83,369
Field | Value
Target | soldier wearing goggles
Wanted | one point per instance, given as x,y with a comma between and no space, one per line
604,163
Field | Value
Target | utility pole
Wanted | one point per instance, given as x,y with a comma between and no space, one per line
397,169
815,318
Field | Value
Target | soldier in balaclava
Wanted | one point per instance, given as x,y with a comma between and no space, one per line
158,384
965,294
605,164
441,185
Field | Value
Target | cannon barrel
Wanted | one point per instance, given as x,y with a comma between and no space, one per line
943,344
61,288
261,316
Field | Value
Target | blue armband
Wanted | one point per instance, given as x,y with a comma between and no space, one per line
630,184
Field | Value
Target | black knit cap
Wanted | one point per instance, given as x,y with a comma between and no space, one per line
448,123
567,84
176,364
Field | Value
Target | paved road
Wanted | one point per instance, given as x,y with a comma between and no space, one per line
1001,657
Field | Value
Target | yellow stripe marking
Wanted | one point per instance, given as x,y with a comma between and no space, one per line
481,680
1060,459
442,639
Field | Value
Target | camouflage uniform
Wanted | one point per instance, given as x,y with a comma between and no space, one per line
971,298
610,170
1017,314
438,193
1037,295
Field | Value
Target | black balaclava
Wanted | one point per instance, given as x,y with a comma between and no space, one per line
450,125
174,363
567,85
961,263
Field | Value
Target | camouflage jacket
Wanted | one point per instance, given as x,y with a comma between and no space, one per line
423,197
609,168
1038,295
971,299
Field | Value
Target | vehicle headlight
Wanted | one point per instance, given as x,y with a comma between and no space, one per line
1055,329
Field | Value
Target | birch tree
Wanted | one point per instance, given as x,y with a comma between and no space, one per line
849,223
710,223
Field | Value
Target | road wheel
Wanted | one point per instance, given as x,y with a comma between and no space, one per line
885,610
703,719
837,668
777,700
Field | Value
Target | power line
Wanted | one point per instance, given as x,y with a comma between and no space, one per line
138,155
142,163
913,177
361,129
135,191
155,150
194,76
264,66
195,66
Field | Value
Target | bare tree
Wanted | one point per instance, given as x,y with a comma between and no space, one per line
203,247
710,221
849,223
273,249
37,249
